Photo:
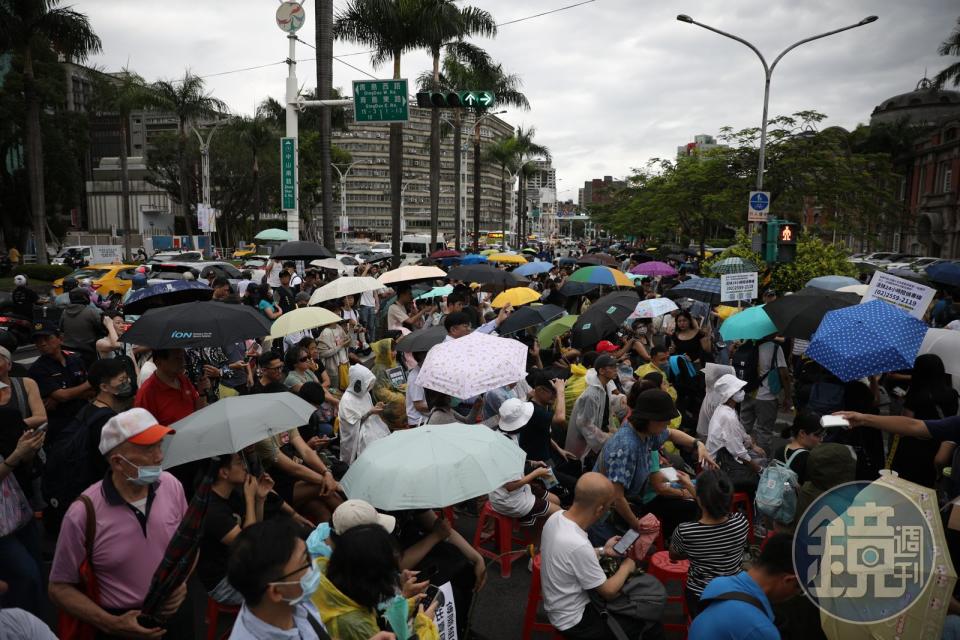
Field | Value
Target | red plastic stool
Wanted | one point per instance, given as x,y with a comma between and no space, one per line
504,537
742,499
665,570
534,597
212,617
447,514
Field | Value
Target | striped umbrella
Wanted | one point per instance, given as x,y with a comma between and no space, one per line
733,265
601,275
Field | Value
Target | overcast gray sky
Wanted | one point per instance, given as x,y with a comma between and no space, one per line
611,83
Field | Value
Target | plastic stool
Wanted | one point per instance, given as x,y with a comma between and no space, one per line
534,597
212,617
742,499
503,539
665,570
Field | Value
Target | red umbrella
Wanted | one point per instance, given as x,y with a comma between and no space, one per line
445,253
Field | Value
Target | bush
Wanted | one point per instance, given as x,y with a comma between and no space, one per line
45,272
814,258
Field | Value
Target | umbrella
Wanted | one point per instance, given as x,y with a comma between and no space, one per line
533,268
473,364
528,250
866,339
645,257
436,292
422,339
752,323
489,252
724,311
301,250
733,265
571,289
329,263
507,258
517,296
345,287
597,259
654,268
197,324
603,318
859,289
484,274
445,253
526,317
411,273
301,320
653,308
473,258
556,329
273,234
230,424
701,289
799,315
601,275
166,294
433,466
566,261
946,344
679,257
832,282
945,273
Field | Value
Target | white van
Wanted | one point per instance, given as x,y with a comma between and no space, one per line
417,247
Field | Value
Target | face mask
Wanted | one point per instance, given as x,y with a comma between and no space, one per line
317,542
739,396
146,475
124,391
309,583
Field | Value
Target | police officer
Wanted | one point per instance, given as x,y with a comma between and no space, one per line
61,376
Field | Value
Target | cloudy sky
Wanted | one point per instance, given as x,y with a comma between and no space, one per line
611,83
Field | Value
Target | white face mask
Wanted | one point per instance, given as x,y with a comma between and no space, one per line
739,396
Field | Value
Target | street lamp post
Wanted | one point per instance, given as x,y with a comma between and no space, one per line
768,72
205,160
343,194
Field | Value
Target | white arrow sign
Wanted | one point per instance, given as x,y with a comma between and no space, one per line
470,99
486,99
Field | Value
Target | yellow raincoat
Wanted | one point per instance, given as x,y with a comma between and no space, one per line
393,398
643,370
344,619
576,383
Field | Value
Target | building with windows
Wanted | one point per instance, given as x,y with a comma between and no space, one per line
700,143
931,193
598,190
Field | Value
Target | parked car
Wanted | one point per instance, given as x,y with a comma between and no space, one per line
246,252
108,279
912,262
160,272
177,256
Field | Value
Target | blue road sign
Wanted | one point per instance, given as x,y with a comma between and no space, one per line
759,206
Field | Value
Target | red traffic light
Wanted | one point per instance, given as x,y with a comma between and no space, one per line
787,234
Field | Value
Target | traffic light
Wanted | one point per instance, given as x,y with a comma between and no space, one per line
787,241
438,100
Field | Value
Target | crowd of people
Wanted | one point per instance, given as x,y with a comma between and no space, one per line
652,430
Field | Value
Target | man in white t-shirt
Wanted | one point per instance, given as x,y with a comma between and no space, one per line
758,412
416,397
570,567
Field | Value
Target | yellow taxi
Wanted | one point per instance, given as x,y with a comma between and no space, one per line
107,279
249,250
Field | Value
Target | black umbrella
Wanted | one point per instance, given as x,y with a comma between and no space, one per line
691,252
799,315
604,317
571,289
679,257
643,257
197,324
528,316
422,339
604,259
700,289
485,274
301,250
165,294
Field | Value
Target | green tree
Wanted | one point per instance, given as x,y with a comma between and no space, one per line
30,27
188,99
950,47
814,258
741,248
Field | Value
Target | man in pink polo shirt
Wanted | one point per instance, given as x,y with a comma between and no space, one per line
138,508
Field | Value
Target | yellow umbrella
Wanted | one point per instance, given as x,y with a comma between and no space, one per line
507,258
301,320
725,311
489,252
516,296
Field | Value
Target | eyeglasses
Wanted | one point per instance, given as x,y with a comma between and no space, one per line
304,359
287,575
279,366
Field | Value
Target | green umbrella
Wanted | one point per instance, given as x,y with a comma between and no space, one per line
556,329
436,292
752,323
273,234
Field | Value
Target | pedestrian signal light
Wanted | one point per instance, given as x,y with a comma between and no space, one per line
438,100
787,234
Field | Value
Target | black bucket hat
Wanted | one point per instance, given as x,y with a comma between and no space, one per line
655,404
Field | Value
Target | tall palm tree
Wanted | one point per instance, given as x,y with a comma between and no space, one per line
447,24
504,152
324,39
188,99
390,28
26,27
258,133
527,149
950,47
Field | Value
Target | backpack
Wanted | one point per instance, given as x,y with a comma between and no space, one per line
777,491
746,363
69,469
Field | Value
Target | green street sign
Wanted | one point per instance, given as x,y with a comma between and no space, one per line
288,173
482,99
380,101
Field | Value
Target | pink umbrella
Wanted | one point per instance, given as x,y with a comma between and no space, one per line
473,364
654,269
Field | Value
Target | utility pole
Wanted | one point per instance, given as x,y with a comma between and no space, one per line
343,199
324,41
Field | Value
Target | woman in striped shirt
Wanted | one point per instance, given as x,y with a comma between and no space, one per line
713,544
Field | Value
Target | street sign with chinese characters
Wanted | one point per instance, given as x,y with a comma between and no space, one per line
758,206
288,174
482,99
380,101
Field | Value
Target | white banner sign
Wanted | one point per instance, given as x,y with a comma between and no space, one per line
738,286
446,613
912,297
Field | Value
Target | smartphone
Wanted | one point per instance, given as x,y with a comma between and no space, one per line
834,421
41,428
431,594
626,541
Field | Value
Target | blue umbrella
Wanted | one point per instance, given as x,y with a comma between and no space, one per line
533,268
866,339
473,258
832,283
945,272
166,294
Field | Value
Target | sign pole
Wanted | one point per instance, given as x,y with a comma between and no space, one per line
293,213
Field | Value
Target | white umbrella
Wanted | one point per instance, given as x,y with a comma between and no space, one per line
433,466
473,364
329,263
411,273
946,344
229,425
344,287
653,308
859,289
301,320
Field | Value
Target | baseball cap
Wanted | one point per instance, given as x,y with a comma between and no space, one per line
45,328
514,413
135,425
605,346
604,360
354,513
20,280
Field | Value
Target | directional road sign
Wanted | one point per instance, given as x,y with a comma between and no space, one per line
758,206
288,173
380,101
482,99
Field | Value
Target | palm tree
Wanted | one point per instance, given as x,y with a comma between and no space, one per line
390,28
258,133
504,152
188,100
324,39
446,24
526,150
950,47
26,27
